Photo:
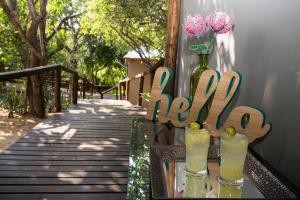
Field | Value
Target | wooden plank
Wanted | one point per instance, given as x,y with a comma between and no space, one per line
83,126
76,133
65,153
62,163
69,138
62,188
102,112
82,145
61,174
87,128
113,120
72,149
88,122
103,168
65,158
80,131
74,141
61,144
63,181
79,196
65,138
80,135
172,40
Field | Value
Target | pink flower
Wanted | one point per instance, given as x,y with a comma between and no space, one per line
194,26
220,22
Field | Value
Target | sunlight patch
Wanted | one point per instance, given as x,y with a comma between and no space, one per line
69,134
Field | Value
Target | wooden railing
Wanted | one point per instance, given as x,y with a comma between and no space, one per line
131,89
56,69
112,88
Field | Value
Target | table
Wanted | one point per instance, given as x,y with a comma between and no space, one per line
157,160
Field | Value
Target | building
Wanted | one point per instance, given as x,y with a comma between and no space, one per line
134,62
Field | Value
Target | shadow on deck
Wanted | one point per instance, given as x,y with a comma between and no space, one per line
78,154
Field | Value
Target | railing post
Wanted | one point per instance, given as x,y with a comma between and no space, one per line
57,85
127,90
92,89
141,90
83,89
75,88
80,87
120,91
117,93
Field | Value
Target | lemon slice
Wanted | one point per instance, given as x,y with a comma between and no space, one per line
195,126
230,132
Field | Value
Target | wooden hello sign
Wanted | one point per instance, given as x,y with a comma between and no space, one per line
210,84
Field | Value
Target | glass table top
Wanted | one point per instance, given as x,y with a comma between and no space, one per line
182,185
156,173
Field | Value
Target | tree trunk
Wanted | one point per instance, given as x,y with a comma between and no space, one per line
38,97
74,65
35,93
2,67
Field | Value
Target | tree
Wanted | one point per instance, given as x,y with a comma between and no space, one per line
12,48
139,24
29,19
99,55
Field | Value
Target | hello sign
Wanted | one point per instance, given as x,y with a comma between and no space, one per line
210,84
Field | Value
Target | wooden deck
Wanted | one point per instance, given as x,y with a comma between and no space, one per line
79,154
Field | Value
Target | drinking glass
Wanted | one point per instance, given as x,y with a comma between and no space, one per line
195,186
197,143
233,151
229,191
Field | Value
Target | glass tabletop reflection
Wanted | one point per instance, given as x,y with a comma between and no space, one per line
186,185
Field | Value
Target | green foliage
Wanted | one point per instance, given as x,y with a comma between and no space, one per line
97,52
140,25
111,75
48,97
11,46
146,96
65,103
13,101
101,61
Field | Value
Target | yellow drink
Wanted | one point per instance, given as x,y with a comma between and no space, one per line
233,154
197,143
229,191
195,186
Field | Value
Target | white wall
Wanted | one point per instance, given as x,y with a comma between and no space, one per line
265,48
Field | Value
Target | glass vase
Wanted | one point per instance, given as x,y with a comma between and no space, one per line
194,79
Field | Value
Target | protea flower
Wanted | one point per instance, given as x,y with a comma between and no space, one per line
220,22
194,26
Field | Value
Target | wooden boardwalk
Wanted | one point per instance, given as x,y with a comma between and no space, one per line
79,154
